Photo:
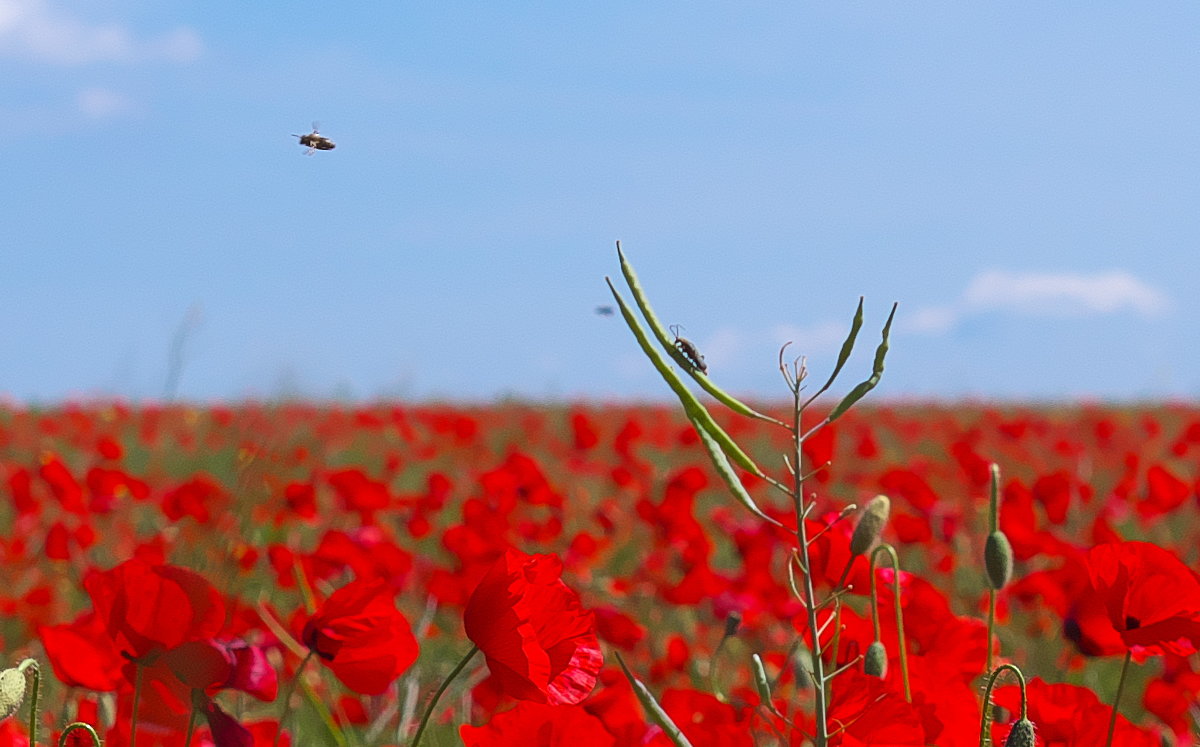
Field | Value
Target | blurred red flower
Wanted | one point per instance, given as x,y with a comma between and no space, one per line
536,723
360,635
149,609
1142,599
540,643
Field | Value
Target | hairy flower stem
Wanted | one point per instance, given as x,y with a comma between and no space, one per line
33,699
820,685
437,695
986,721
76,726
1112,721
991,626
287,698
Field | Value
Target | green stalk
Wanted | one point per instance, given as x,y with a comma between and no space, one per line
287,698
891,552
33,699
984,738
62,740
437,695
1112,721
821,738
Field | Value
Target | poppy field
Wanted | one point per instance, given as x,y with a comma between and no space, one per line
259,575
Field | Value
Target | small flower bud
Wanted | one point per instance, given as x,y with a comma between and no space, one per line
876,659
732,623
1021,734
12,691
870,525
998,559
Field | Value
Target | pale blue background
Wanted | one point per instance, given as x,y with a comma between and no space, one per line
1024,178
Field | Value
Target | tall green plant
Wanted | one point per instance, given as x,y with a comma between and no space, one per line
725,452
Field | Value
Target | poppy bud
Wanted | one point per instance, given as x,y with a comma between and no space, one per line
732,623
870,525
1021,734
998,559
12,691
875,660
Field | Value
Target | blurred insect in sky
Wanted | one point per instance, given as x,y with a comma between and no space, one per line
604,310
315,141
687,350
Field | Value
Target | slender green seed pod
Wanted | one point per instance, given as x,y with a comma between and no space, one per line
998,559
875,660
12,691
761,682
1021,734
870,525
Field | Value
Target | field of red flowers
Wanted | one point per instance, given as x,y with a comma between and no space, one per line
291,574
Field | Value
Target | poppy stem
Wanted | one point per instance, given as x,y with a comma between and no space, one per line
445,683
287,698
33,700
986,721
137,699
191,726
991,628
1112,721
62,740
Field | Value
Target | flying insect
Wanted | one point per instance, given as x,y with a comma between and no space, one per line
315,141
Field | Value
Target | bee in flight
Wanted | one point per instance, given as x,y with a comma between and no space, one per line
315,141
688,352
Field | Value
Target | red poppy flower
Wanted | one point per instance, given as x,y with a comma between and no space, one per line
82,655
1142,599
148,609
540,724
539,642
360,635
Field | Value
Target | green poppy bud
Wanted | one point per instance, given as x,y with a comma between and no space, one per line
1021,734
876,659
12,691
870,525
998,559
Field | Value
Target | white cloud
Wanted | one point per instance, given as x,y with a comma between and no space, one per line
34,30
1069,293
1042,294
101,103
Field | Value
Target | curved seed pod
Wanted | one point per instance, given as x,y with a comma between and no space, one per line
12,691
695,411
875,660
731,479
668,344
653,709
870,525
998,559
1021,734
861,390
847,347
761,682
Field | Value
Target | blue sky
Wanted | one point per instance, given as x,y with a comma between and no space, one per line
1023,179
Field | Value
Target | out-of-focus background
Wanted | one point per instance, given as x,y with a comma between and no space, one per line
1023,180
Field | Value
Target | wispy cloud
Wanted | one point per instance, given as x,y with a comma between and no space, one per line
102,103
1042,294
36,31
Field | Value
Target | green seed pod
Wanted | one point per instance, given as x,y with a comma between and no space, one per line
876,659
1021,734
804,680
12,691
870,525
761,682
998,559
